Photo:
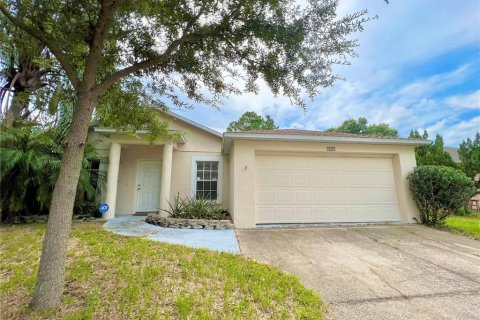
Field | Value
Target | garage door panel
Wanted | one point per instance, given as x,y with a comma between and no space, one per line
300,189
336,179
285,196
265,196
339,214
283,178
265,178
355,195
264,162
337,196
303,195
303,213
285,214
353,178
318,179
301,179
321,214
377,179
265,214
320,196
379,196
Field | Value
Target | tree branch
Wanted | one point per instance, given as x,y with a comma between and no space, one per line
101,88
50,43
107,9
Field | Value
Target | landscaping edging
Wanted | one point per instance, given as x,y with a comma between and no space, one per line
157,220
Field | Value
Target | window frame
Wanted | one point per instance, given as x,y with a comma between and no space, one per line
220,176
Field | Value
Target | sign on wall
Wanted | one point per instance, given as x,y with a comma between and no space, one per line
103,207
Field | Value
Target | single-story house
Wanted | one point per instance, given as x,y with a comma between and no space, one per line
261,177
453,152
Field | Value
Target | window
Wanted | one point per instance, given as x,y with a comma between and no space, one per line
207,182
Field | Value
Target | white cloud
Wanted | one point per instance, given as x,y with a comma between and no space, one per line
468,101
407,34
456,132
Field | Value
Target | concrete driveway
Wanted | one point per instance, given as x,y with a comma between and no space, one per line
377,272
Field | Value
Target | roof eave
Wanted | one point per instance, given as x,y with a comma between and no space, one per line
195,124
228,138
109,131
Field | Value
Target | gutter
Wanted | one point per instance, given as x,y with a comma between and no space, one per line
229,137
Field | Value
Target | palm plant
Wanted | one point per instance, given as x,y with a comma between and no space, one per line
29,168
24,66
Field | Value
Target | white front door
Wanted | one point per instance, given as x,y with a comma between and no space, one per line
148,186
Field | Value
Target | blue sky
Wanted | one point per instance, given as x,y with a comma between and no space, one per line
418,68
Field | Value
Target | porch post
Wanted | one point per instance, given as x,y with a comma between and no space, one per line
112,179
166,177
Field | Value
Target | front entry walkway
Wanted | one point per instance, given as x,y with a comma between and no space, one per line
216,240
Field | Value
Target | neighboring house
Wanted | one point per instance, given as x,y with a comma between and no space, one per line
262,177
453,152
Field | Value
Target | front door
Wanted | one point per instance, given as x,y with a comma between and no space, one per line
148,186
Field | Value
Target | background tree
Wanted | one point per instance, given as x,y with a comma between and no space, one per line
432,154
252,121
361,126
199,48
28,74
469,153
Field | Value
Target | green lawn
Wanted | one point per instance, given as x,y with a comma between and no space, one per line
115,277
469,225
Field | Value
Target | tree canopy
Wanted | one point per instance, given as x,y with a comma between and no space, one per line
361,126
177,53
252,121
432,154
469,152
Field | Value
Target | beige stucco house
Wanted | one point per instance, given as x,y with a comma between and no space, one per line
261,177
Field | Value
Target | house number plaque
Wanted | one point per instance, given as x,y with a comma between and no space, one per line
330,148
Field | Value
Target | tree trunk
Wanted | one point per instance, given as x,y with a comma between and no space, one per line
51,272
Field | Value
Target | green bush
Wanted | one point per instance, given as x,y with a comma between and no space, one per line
439,191
29,168
195,208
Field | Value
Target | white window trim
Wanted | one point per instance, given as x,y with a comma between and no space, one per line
220,176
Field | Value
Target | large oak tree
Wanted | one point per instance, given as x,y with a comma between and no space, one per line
186,51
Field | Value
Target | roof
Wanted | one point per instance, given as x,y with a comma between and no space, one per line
313,133
453,152
171,114
194,124
316,136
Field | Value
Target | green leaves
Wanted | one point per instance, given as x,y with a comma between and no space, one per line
469,152
361,126
439,191
252,121
127,108
30,167
432,154
206,42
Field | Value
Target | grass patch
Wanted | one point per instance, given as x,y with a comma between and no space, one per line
115,277
469,225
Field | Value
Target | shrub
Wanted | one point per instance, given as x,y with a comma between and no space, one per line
176,207
195,208
29,168
439,191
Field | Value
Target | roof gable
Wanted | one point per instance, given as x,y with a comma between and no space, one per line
177,117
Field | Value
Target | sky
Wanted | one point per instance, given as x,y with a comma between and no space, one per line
418,68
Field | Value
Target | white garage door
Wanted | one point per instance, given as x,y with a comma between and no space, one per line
315,189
